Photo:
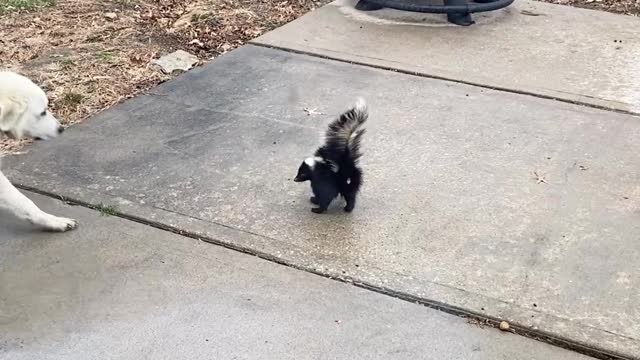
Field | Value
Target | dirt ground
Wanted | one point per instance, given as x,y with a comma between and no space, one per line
627,7
91,54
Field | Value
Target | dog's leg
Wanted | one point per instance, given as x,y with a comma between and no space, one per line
14,202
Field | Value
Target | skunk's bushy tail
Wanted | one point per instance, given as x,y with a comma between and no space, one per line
344,133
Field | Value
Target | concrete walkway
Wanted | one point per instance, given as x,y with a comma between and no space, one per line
532,47
114,289
504,205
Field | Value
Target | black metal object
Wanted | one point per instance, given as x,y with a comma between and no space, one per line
458,18
458,11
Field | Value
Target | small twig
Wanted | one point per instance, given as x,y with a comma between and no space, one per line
313,111
530,13
540,178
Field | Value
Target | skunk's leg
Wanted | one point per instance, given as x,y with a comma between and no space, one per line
351,201
355,181
323,204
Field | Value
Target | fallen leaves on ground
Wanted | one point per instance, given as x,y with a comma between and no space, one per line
89,55
627,7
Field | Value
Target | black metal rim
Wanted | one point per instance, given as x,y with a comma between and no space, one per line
442,9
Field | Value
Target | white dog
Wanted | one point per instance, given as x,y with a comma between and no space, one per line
23,112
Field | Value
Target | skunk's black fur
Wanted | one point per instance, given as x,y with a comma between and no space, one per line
333,170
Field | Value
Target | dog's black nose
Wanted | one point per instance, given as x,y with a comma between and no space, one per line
60,130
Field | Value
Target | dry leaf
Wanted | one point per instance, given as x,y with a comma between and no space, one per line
312,111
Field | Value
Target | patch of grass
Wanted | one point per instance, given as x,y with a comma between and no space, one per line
7,6
106,56
107,210
71,99
206,19
126,3
66,64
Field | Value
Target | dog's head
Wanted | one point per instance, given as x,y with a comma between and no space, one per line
24,109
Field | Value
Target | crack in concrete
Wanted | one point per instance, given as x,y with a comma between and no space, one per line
534,334
436,77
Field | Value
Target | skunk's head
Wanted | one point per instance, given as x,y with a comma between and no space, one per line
305,170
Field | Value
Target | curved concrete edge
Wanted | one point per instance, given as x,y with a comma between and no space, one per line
558,331
551,51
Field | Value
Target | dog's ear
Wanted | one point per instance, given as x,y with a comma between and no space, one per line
10,111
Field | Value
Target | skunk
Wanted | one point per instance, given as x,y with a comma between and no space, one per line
333,170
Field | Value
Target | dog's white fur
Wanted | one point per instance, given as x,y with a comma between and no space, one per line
24,113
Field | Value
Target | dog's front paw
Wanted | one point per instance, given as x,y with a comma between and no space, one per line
318,210
59,224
